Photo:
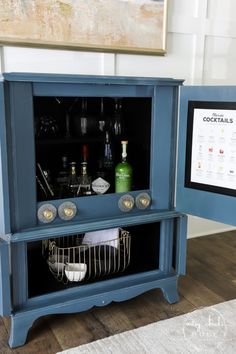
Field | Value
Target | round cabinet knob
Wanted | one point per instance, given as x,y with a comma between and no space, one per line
47,213
143,200
126,202
67,210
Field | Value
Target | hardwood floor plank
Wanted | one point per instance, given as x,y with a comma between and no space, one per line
166,310
140,312
95,328
196,293
113,318
228,237
215,243
4,349
210,258
76,329
212,279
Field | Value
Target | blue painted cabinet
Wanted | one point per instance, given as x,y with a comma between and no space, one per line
43,230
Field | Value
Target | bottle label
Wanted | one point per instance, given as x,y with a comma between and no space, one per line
123,182
100,186
123,176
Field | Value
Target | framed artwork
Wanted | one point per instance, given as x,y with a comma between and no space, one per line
211,147
125,26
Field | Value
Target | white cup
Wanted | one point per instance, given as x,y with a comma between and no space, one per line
75,271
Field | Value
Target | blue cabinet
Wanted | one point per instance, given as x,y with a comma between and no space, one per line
41,119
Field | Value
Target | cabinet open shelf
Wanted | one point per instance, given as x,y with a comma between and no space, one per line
62,128
143,255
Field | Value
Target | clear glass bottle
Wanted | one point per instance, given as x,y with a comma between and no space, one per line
84,187
73,183
123,172
108,158
105,174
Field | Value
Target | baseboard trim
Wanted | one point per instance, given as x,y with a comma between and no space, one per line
211,232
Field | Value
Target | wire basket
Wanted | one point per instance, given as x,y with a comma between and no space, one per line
70,259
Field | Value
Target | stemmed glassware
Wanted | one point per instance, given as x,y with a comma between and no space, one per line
117,124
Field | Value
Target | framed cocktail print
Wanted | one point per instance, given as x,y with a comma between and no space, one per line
127,26
211,147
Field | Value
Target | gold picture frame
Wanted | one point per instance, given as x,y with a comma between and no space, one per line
122,26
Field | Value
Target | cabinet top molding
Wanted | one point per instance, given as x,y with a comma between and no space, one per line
92,79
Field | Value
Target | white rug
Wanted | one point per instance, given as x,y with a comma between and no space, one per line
207,330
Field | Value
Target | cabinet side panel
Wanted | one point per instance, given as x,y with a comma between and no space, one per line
181,244
21,161
4,196
5,298
163,147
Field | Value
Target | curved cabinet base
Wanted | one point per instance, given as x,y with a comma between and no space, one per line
22,321
20,325
170,292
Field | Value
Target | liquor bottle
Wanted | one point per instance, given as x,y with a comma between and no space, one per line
123,172
105,173
72,182
62,177
108,158
84,187
85,153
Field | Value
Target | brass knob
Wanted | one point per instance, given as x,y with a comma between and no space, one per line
48,214
143,200
67,210
126,202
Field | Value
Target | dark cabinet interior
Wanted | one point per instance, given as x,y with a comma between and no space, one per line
144,245
64,125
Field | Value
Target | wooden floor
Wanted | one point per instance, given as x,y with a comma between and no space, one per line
210,279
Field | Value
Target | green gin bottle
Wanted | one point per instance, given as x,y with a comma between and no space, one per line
123,172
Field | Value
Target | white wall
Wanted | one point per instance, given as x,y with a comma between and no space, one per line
201,48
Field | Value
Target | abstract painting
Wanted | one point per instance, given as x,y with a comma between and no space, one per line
129,26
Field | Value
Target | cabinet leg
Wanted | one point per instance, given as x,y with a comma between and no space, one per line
170,292
20,326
